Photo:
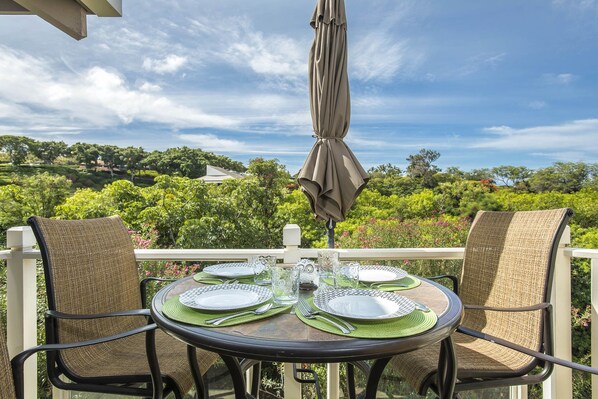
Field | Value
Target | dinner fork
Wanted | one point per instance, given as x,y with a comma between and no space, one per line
380,285
305,313
313,311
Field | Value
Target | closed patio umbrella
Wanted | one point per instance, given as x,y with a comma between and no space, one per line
331,176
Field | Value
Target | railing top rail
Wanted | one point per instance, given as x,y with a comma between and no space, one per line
5,254
239,254
582,253
390,253
349,253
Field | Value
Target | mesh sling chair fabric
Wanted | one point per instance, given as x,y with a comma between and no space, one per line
90,269
508,263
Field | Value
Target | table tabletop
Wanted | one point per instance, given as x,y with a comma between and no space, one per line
286,338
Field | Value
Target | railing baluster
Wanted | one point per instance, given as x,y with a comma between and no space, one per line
291,239
560,385
22,302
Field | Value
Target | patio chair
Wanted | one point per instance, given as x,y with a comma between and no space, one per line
93,290
505,283
505,288
11,371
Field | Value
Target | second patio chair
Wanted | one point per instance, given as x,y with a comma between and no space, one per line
93,290
505,288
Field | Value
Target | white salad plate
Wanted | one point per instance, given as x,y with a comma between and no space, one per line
229,270
379,273
225,297
362,304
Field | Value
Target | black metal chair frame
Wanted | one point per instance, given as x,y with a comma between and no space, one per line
18,361
121,384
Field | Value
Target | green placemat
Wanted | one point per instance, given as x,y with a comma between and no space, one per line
175,310
206,278
415,322
406,283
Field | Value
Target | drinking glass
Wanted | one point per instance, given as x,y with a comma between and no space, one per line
262,269
326,261
285,284
346,274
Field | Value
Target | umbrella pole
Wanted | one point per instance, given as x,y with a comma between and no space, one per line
330,226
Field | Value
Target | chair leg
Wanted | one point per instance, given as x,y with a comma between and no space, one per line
351,381
152,358
256,379
201,385
447,369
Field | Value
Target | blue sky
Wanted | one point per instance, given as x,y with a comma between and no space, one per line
485,83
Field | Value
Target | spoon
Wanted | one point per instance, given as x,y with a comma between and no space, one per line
262,309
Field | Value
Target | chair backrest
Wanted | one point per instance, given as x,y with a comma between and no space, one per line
90,268
509,262
7,387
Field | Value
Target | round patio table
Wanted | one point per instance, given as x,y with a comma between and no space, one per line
285,338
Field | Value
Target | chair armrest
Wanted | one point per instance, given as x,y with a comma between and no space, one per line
68,316
530,352
453,279
143,287
538,306
18,361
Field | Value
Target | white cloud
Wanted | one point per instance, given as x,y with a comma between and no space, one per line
150,87
379,56
480,62
579,5
277,58
169,64
211,142
97,97
579,135
537,104
559,78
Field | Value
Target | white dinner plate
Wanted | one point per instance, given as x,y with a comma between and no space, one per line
225,297
229,270
362,304
380,273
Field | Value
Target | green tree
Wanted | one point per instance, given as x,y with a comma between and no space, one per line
132,159
86,203
188,162
564,177
16,147
479,174
86,154
592,181
34,195
270,173
48,151
421,167
465,198
511,176
111,157
171,203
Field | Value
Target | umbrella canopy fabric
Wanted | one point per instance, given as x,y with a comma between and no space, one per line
331,176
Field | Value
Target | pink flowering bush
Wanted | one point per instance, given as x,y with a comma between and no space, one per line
172,270
440,232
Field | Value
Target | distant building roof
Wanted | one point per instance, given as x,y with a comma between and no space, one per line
215,174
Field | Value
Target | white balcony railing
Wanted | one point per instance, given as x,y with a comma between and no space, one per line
22,302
